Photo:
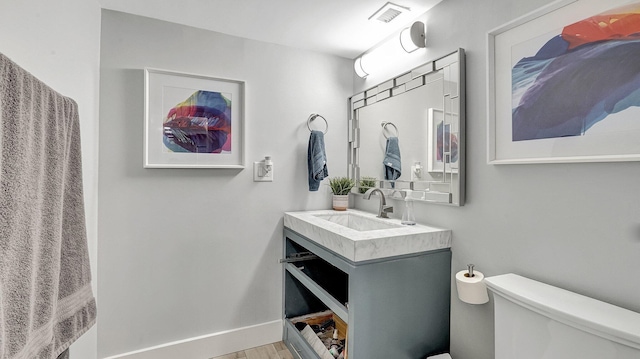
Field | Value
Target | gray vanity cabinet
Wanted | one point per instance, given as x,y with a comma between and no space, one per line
395,307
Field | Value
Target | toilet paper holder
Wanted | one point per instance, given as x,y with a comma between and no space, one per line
469,273
471,286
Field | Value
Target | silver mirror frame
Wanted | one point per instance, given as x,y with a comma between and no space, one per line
450,189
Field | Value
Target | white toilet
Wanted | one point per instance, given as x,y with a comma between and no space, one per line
534,320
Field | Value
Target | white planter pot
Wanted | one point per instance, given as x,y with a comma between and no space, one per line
340,202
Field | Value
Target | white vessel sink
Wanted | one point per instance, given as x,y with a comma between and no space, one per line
360,236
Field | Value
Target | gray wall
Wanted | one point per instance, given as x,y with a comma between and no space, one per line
187,252
576,226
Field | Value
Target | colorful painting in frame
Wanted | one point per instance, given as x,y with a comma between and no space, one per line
443,143
564,84
193,121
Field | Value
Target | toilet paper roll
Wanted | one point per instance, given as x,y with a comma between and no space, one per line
471,290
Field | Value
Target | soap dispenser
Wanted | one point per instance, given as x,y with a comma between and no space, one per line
407,216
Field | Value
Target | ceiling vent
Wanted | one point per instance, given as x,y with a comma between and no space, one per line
389,12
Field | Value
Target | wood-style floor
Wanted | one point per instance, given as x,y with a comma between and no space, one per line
270,351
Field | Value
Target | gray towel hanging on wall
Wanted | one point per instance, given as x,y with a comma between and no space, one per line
45,279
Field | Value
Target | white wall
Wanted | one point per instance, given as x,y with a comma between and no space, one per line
576,226
58,42
186,252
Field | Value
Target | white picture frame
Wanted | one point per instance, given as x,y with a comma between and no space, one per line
193,121
439,155
620,141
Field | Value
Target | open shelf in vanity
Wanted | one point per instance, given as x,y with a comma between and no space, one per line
315,278
394,307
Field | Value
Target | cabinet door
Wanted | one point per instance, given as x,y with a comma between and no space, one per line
405,299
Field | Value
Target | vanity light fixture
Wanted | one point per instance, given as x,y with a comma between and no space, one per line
376,58
357,66
413,37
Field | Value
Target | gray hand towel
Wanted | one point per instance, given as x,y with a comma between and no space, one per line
392,162
316,160
46,301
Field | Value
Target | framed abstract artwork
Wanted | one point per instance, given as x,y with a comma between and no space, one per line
193,121
442,144
564,84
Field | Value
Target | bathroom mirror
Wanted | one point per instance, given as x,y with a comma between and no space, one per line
424,109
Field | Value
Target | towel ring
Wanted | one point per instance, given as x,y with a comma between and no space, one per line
384,127
313,117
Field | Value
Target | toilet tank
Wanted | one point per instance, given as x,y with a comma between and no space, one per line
534,320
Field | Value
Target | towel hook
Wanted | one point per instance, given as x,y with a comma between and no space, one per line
313,117
384,127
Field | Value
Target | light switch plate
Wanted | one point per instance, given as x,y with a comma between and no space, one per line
259,174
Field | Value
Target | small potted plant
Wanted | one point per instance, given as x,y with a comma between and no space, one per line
366,183
341,186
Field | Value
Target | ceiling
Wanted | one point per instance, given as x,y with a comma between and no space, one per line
339,27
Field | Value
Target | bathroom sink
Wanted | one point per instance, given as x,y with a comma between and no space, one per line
360,236
357,221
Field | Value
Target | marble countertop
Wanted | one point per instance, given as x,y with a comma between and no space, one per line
356,245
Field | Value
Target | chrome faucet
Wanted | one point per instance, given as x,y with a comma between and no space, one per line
384,208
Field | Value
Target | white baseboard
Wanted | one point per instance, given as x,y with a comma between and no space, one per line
212,345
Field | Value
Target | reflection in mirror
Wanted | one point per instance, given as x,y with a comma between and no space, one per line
408,133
